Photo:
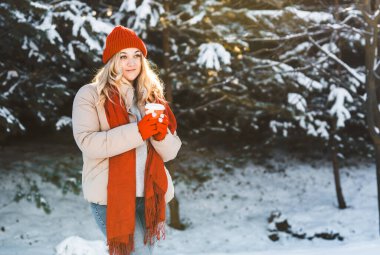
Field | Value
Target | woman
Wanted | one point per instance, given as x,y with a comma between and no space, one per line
123,148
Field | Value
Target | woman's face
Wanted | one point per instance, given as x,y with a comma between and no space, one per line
130,59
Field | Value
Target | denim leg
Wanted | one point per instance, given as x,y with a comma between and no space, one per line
140,247
99,212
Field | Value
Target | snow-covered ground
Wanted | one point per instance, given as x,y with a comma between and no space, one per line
228,214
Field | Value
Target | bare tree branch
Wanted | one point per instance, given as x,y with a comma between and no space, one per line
222,83
202,106
340,62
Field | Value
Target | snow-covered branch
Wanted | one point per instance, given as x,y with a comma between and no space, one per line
356,75
340,95
288,37
211,54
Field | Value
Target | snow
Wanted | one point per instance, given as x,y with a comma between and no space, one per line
29,44
284,125
228,214
340,95
11,89
314,127
79,246
322,129
359,76
282,69
24,43
91,42
194,20
52,34
254,15
146,15
49,28
331,47
40,5
11,74
63,78
80,15
70,51
62,122
298,50
298,101
20,16
316,17
128,6
42,118
10,118
211,54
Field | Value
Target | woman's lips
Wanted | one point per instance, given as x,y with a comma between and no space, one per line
130,70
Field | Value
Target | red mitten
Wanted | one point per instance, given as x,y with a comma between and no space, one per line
162,128
147,126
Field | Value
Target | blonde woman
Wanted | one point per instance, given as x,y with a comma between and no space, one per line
124,148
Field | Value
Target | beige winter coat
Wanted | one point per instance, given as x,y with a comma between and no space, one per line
98,142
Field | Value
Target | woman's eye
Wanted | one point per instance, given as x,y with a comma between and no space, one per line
123,57
137,56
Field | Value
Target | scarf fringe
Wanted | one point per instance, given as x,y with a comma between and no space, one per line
118,247
155,227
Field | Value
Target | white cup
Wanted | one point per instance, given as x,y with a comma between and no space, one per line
156,110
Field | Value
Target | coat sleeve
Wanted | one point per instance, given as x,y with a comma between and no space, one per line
86,130
168,147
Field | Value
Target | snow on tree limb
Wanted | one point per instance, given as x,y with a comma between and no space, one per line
315,17
359,77
10,120
298,101
287,37
194,20
314,127
211,54
340,95
274,125
62,122
147,14
128,6
290,72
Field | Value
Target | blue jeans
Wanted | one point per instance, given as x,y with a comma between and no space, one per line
99,212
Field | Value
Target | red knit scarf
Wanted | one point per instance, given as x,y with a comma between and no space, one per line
121,189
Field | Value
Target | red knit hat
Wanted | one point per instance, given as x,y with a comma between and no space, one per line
121,38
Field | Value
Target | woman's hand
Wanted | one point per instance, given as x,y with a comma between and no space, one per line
147,126
162,127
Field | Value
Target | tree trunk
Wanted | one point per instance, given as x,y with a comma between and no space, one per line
335,163
334,143
175,220
377,153
371,56
166,49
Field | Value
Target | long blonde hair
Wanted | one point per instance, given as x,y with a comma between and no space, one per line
148,86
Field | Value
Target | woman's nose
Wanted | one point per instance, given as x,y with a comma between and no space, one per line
131,62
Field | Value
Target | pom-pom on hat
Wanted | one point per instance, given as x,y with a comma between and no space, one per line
121,38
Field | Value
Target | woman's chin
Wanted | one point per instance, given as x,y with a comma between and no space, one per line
130,78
